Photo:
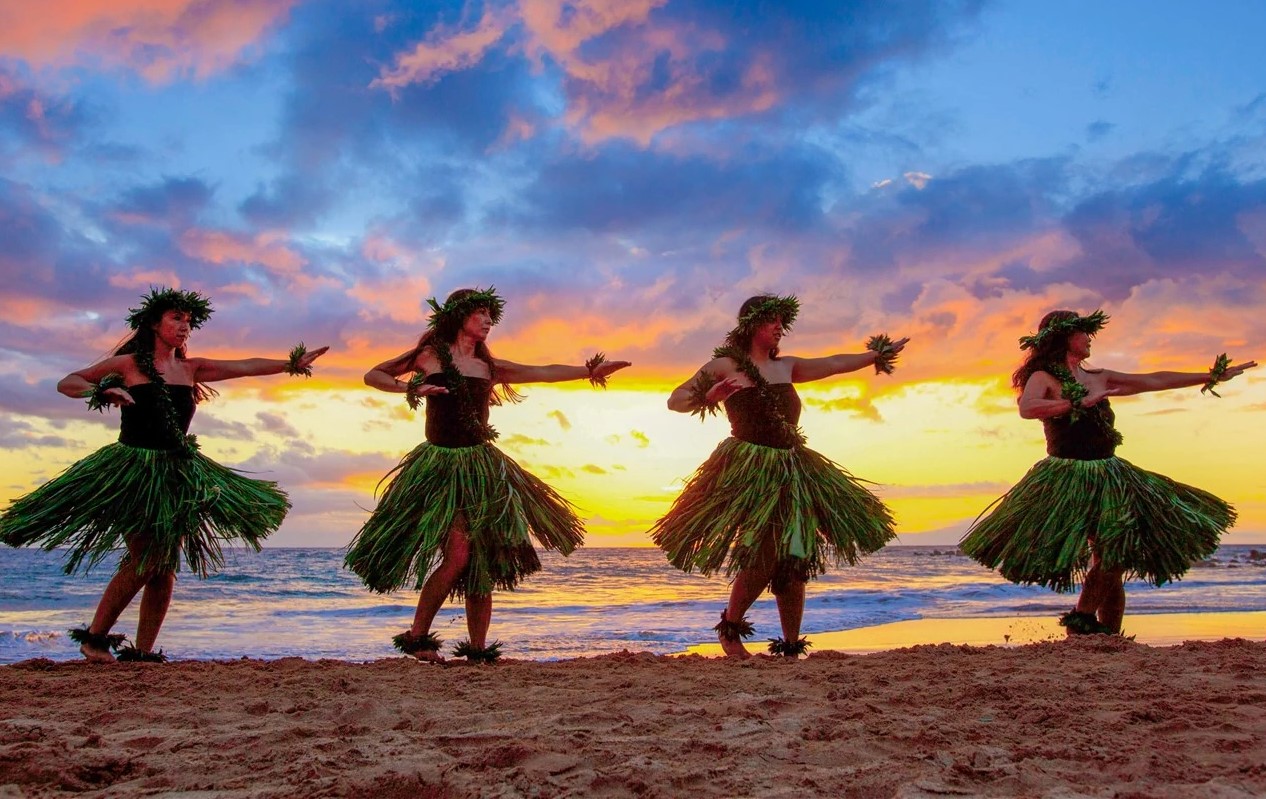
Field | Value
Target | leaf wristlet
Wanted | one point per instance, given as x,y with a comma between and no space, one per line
97,400
1216,373
885,353
597,381
699,388
294,368
411,389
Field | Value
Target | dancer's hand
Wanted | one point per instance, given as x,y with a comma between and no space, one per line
606,368
118,396
1095,397
423,389
723,389
310,356
1237,369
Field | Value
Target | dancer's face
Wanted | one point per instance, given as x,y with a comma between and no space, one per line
173,329
1079,345
767,334
479,324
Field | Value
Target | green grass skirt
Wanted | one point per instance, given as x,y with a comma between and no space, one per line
1041,530
748,503
435,488
184,504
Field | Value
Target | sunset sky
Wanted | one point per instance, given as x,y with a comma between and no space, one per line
626,173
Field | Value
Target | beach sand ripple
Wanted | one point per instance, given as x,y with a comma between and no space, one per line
1094,717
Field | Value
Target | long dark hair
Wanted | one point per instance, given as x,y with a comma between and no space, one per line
740,337
444,332
140,345
1049,353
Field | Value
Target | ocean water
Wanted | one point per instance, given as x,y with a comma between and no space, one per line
301,602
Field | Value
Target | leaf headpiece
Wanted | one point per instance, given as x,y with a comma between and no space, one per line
161,300
784,309
457,309
1090,325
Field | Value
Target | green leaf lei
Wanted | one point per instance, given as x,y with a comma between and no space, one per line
791,433
456,383
1071,390
1216,373
1075,392
145,364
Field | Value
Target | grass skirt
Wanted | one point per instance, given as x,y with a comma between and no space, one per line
184,504
748,502
1041,530
435,488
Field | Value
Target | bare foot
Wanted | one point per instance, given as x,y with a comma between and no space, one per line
429,656
95,655
733,648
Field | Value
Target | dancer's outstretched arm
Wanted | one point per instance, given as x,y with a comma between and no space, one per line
1127,383
804,370
511,372
209,370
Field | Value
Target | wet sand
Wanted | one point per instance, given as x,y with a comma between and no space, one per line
1096,716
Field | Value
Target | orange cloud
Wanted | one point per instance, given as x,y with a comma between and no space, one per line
160,39
547,338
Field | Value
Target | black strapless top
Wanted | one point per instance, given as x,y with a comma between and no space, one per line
145,424
445,426
1092,437
751,421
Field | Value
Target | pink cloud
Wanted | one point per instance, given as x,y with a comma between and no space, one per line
160,39
34,311
606,97
268,249
399,291
142,279
444,50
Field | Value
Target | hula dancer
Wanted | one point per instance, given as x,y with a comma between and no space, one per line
764,506
1082,514
458,514
153,492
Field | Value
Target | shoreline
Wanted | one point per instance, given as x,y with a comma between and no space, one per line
1153,629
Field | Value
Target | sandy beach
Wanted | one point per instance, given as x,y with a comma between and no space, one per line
1092,717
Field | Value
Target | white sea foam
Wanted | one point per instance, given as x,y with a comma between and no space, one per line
286,602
